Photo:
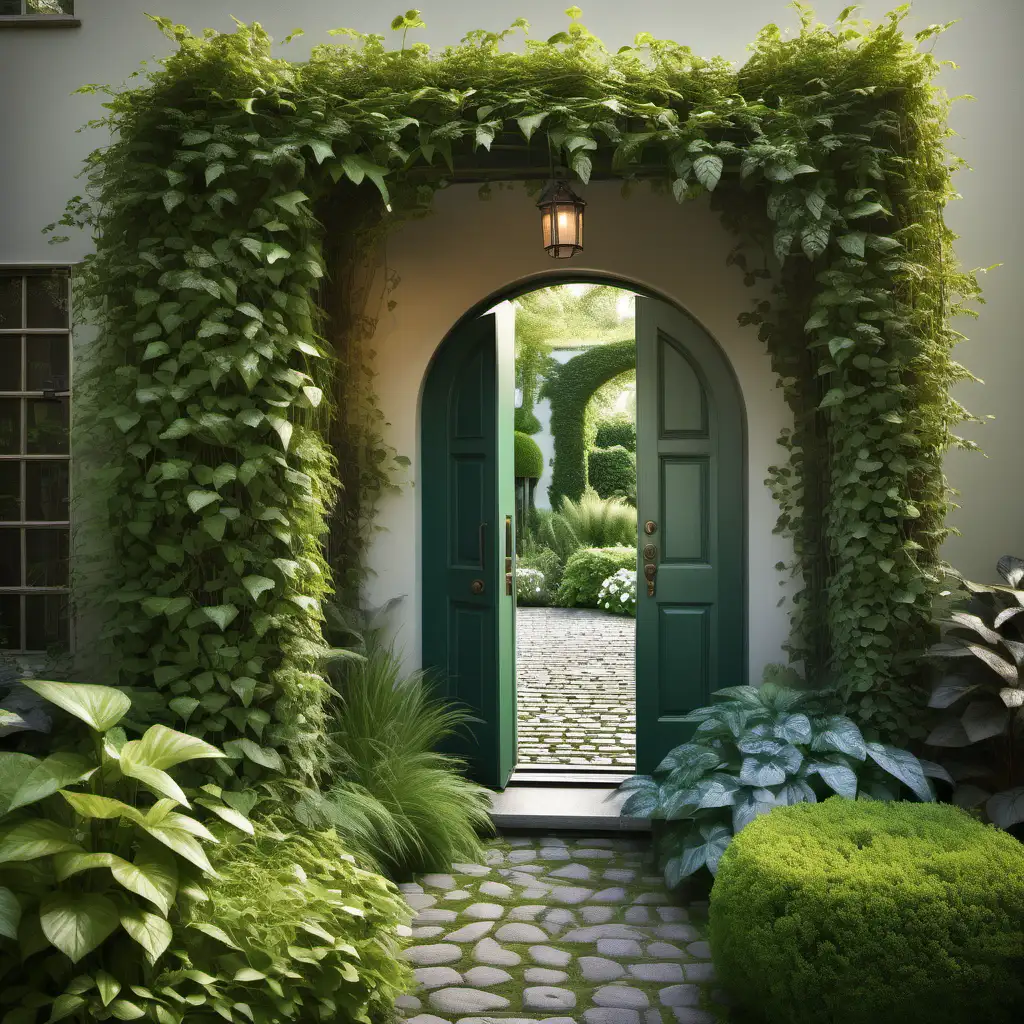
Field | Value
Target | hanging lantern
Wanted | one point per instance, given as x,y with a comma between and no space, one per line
561,220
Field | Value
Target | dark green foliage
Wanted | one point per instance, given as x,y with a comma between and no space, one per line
529,458
758,748
392,797
866,912
569,386
526,422
548,562
295,930
612,472
982,694
587,569
621,432
599,522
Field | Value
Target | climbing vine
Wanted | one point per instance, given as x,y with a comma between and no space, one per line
230,385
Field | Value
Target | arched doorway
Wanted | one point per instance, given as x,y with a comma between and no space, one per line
691,560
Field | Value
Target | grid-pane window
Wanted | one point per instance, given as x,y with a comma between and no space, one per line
37,7
35,396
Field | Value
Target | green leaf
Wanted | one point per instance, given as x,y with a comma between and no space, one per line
321,150
100,707
76,923
750,802
63,1006
181,842
221,614
814,239
10,914
768,763
903,765
863,210
199,499
153,875
155,780
266,757
983,719
34,839
67,864
51,774
230,815
161,747
214,932
703,847
795,728
172,198
282,428
108,987
1006,809
708,169
290,201
691,756
125,1009
529,123
91,805
257,585
150,931
834,396
838,777
836,732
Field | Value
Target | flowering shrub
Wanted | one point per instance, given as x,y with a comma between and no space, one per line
531,587
618,593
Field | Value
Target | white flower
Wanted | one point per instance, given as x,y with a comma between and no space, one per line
613,588
625,597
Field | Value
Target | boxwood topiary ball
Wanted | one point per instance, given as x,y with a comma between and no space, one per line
861,912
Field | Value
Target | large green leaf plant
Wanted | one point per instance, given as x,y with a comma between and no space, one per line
754,749
981,694
97,842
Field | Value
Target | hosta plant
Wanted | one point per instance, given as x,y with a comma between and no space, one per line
756,748
981,692
97,841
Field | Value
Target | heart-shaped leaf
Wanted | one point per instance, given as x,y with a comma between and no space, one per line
750,802
53,773
151,931
153,875
703,847
161,747
100,707
840,778
691,756
35,839
76,923
949,690
836,732
984,718
903,765
1006,809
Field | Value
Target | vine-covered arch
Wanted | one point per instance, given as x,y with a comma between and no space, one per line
230,386
569,387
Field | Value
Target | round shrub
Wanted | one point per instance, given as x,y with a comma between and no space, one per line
526,422
612,433
612,472
548,562
863,912
587,569
529,457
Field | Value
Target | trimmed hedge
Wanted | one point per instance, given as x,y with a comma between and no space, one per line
615,432
570,386
526,422
529,458
587,569
612,472
862,912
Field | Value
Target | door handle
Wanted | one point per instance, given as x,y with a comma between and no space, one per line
508,556
650,572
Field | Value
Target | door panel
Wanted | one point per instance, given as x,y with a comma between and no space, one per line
467,489
691,632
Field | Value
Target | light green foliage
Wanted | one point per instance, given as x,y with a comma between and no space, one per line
857,913
570,386
526,422
531,587
97,844
610,433
548,562
555,534
612,472
234,180
528,456
599,522
754,749
982,695
587,569
393,798
295,931
618,593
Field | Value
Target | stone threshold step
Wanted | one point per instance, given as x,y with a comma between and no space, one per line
572,808
566,777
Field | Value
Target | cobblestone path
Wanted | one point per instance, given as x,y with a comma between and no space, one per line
561,930
576,691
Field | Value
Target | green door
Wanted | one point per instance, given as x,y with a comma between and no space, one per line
691,595
468,493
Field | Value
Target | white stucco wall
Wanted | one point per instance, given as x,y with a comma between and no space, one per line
40,153
646,240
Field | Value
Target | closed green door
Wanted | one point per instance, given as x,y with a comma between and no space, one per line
468,494
691,596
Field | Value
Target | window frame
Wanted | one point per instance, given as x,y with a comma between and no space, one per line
22,458
35,19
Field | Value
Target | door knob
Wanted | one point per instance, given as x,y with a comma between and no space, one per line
650,551
650,571
650,527
477,587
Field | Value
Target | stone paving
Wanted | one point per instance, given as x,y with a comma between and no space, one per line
576,687
560,930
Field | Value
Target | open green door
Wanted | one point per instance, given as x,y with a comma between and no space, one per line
691,594
468,495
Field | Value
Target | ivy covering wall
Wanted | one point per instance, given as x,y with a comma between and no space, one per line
242,195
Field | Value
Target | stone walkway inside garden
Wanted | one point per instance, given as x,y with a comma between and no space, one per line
576,689
560,930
